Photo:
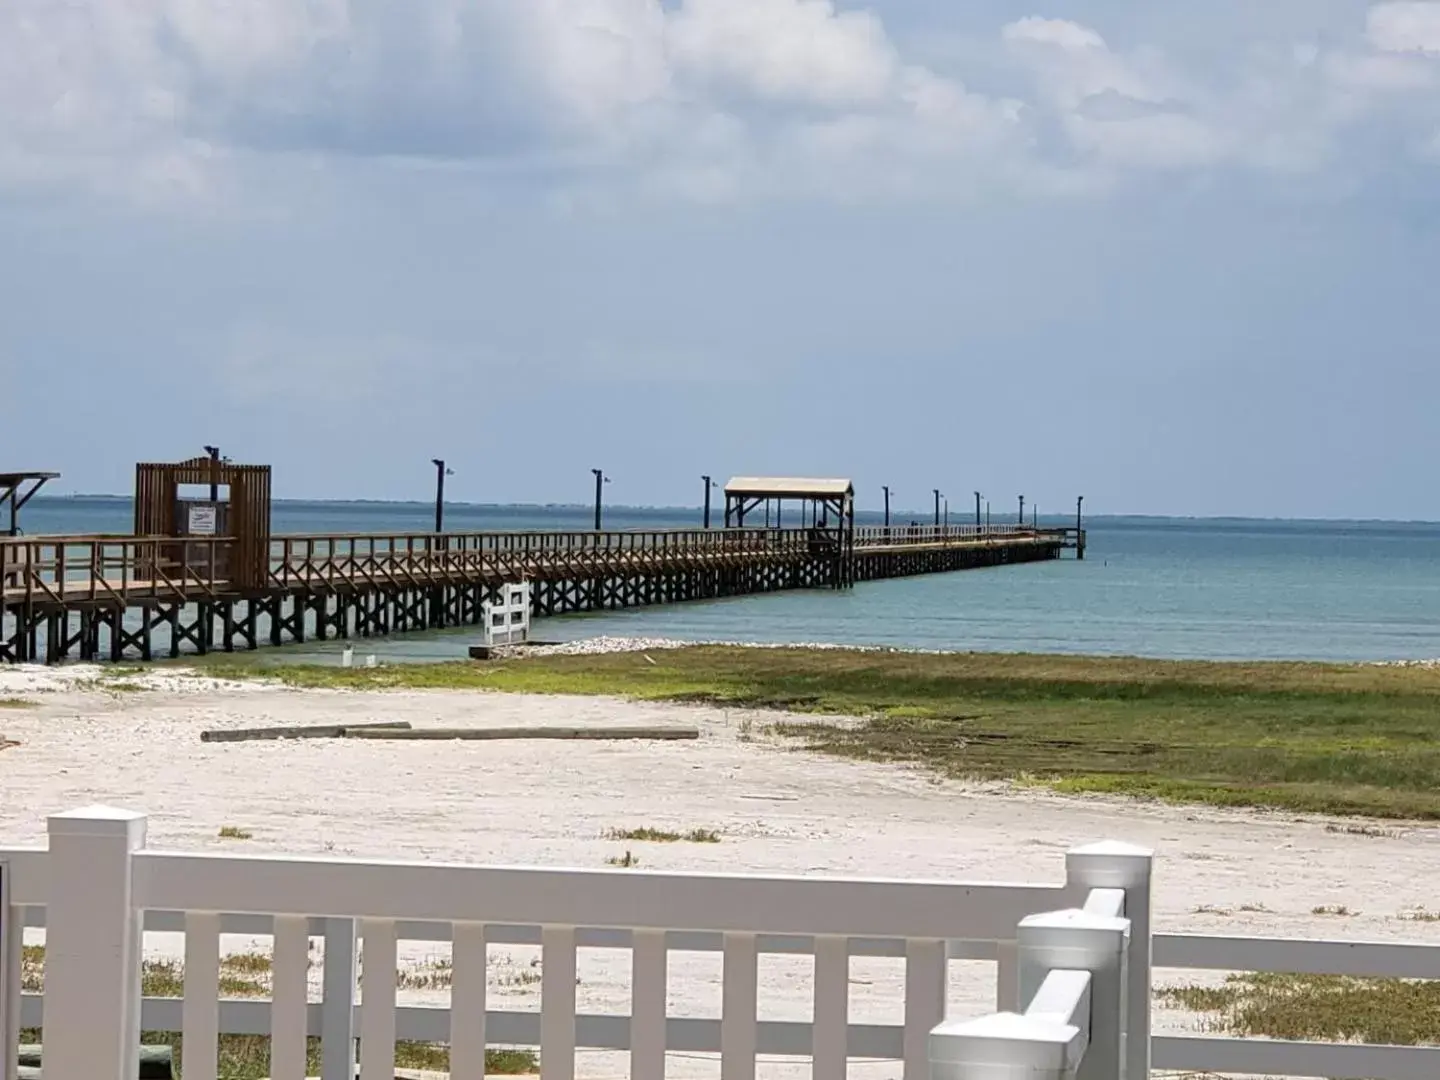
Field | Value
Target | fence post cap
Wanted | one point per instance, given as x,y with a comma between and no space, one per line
98,821
1113,847
1110,864
1033,1042
1073,919
1073,937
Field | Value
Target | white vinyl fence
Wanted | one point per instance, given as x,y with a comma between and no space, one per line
1073,964
507,619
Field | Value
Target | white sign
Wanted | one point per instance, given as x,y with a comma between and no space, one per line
202,520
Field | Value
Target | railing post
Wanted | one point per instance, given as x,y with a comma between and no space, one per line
93,937
1112,865
1081,941
337,1011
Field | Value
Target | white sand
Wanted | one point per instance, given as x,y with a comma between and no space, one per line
547,803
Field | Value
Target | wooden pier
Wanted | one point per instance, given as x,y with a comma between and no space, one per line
138,597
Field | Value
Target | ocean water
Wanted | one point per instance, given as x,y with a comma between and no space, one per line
1160,587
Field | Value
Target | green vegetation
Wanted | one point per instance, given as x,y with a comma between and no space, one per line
624,862
247,1057
647,835
1331,1008
16,703
234,832
1342,739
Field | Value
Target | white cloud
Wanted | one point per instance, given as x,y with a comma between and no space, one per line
106,87
713,99
1125,111
785,50
1406,26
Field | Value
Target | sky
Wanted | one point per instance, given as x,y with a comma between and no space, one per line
1173,257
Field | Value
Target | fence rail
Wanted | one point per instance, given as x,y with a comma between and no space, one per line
1073,977
96,887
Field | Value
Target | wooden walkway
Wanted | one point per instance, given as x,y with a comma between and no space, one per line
107,596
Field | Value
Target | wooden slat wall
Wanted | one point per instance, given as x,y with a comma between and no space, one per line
157,486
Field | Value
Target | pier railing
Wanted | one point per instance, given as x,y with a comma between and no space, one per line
116,569
96,569
886,535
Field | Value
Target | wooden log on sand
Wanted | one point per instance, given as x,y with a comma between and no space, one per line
312,731
494,733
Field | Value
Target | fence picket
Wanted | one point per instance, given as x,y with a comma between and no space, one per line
290,973
377,999
200,1016
557,1003
648,992
924,1003
738,1010
467,1002
832,1008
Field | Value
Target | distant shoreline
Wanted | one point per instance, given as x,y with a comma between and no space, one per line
897,514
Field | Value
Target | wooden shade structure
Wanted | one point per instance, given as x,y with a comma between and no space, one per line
15,494
829,504
157,492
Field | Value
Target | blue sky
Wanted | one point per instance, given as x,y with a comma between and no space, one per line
1174,256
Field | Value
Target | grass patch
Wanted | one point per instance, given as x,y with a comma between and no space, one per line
1360,829
436,974
246,963
122,686
1326,738
1339,911
234,832
16,703
647,835
247,1057
1328,1008
625,862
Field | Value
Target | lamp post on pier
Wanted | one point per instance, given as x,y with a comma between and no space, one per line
947,512
709,485
440,473
887,505
1021,519
937,507
977,510
600,481
214,452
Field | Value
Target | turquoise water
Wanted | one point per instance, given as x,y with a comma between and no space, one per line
1224,589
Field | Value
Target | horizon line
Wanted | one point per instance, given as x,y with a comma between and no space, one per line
587,507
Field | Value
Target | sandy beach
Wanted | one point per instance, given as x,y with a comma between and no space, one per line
777,810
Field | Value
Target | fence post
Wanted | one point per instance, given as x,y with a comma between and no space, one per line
1113,865
337,1009
1004,1046
1081,941
12,941
93,939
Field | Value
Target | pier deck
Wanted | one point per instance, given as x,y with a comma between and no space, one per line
123,597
